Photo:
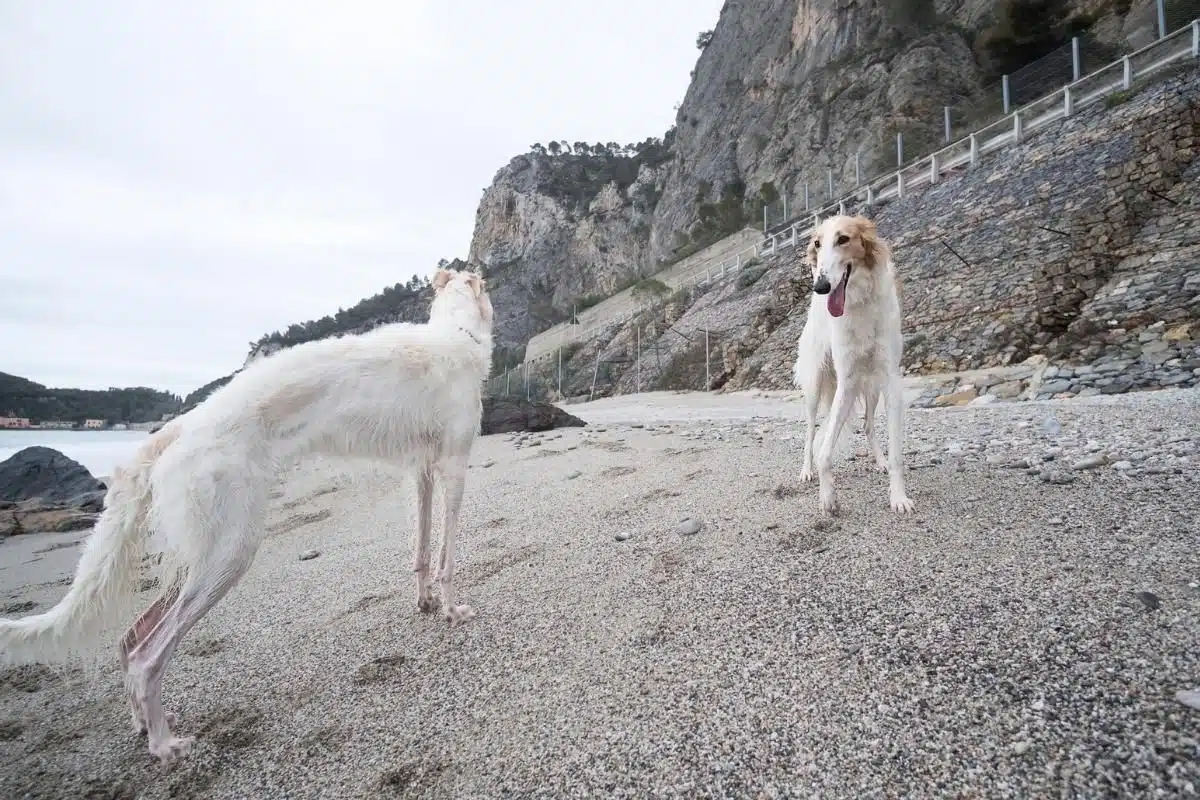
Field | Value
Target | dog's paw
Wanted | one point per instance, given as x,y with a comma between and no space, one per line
172,748
902,505
459,614
806,475
426,602
881,465
829,503
139,723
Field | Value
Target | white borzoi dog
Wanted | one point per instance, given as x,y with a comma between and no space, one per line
197,491
850,349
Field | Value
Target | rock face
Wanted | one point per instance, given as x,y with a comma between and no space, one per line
783,92
1078,249
508,416
554,229
42,490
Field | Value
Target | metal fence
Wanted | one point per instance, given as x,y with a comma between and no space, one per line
995,123
1071,63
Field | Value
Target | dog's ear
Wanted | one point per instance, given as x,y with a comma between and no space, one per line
475,282
876,252
441,278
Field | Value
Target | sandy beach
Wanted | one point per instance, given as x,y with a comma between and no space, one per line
1024,634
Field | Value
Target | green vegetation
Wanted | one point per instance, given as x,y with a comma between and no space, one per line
1024,31
575,173
750,274
20,397
703,39
649,289
404,302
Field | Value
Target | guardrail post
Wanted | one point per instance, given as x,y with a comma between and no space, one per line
933,168
899,184
974,151
764,219
1162,18
870,197
899,149
1196,38
841,208
1017,127
1126,73
830,184
806,196
1076,61
1004,91
1068,102
784,201
946,122
857,173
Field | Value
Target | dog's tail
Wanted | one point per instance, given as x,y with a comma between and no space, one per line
105,579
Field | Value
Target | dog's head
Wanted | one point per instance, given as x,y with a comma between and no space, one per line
462,295
844,249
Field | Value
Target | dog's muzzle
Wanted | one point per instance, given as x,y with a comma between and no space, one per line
822,286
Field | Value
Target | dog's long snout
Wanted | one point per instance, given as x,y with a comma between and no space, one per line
821,285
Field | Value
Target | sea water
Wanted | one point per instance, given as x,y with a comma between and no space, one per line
99,451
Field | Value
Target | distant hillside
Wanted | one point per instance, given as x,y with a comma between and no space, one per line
403,302
21,397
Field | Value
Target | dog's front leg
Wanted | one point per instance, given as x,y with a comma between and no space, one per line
424,530
839,413
454,475
871,400
895,417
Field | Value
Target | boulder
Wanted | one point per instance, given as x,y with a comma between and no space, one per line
44,475
42,490
502,415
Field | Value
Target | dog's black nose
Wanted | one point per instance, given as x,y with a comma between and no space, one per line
821,285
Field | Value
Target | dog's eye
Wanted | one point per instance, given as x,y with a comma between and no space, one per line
842,238
816,244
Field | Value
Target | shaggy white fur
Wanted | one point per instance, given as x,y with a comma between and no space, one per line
196,492
850,348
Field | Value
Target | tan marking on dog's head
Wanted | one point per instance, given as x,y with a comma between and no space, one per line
856,240
441,278
479,287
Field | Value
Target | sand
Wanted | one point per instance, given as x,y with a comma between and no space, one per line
1023,634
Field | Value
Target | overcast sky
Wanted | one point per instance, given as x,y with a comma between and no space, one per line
177,179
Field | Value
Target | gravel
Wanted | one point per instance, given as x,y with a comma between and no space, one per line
998,642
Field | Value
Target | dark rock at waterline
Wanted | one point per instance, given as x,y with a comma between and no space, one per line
42,490
509,416
44,475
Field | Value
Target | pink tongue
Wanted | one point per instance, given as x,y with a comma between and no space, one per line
837,299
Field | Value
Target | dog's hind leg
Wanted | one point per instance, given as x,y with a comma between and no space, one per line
137,633
454,476
424,530
843,407
206,584
871,400
895,417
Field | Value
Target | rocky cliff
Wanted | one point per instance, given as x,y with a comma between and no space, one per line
783,91
1067,265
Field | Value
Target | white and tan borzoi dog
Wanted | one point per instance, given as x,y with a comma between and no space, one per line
850,348
197,491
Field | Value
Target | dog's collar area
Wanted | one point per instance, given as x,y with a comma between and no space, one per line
474,338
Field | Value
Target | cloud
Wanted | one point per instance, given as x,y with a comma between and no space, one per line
178,179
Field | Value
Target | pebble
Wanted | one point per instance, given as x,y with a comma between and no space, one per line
1051,426
309,555
624,536
1122,466
573,474
1021,748
1189,698
689,526
1091,462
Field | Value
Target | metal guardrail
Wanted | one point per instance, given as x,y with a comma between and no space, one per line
1011,130
1118,75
